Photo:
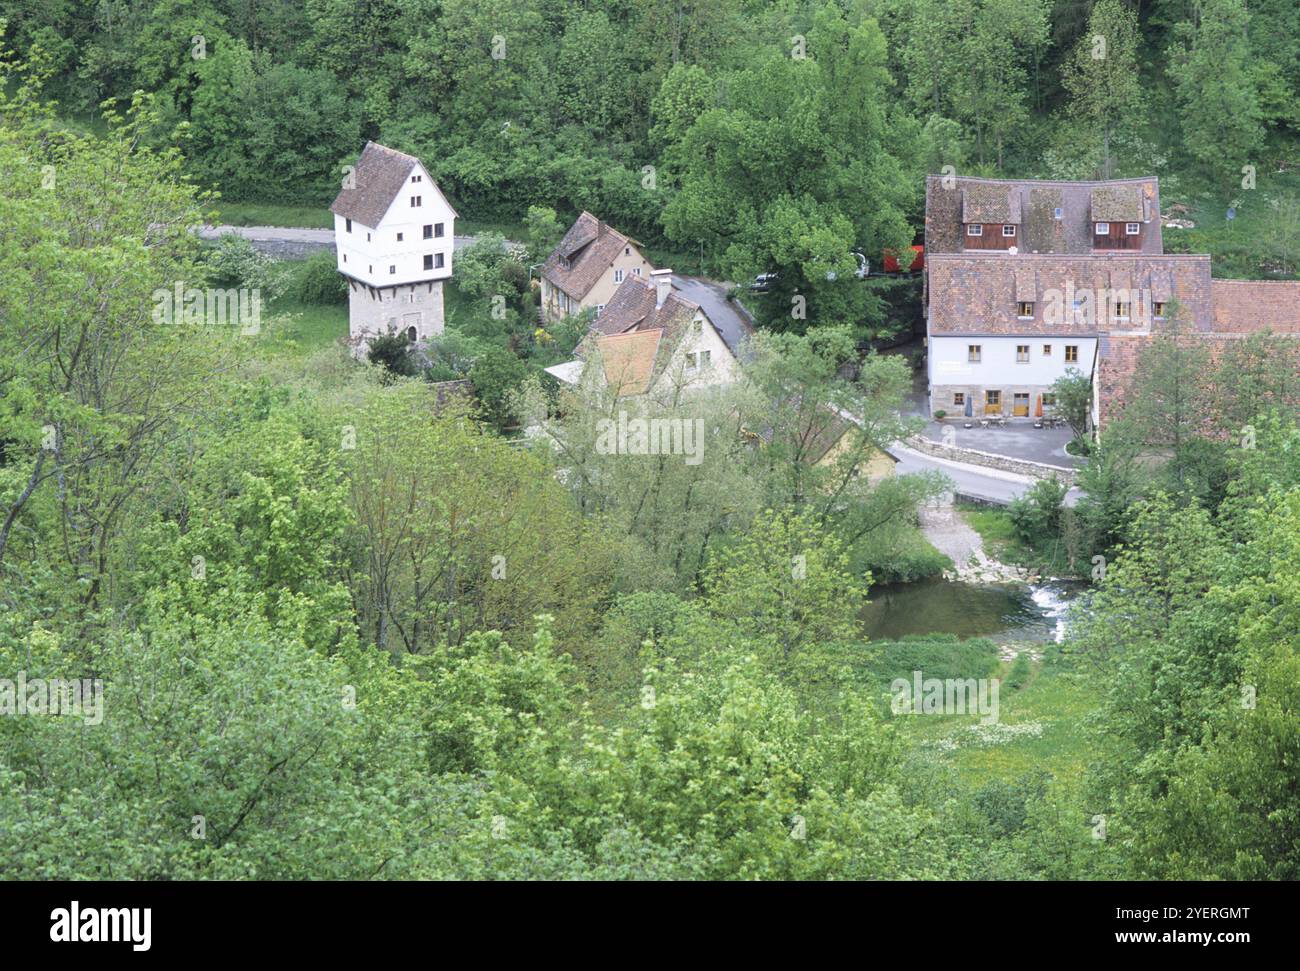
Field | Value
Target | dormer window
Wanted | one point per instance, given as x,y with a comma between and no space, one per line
1008,230
1058,213
1132,229
1122,308
416,201
1158,308
974,229
1103,229
1024,308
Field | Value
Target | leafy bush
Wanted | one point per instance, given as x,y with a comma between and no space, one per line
318,281
233,262
393,351
1036,515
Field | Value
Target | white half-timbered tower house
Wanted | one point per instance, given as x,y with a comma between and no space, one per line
394,232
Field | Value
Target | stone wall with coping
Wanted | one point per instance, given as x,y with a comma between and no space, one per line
991,460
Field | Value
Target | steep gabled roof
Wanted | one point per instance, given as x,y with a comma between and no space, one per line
629,360
632,311
380,174
1033,204
585,252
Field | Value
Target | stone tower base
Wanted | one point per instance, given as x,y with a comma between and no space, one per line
413,309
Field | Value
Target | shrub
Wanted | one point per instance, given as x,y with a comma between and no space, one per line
394,353
318,281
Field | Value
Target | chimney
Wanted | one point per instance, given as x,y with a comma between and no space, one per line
663,281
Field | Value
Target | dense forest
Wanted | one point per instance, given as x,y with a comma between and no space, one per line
348,629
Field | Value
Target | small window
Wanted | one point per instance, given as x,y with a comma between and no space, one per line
349,224
399,237
1103,229
417,178
1024,308
439,230
367,237
1022,353
599,308
974,229
1008,230
1158,308
959,397
416,202
1071,353
1132,229
973,353
428,231
636,271
627,251
428,261
345,257
1121,308
1047,350
618,276
1058,213
370,268
392,269
697,326
438,261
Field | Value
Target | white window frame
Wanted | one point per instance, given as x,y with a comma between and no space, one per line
1012,230
1132,229
1103,229
618,276
974,229
1025,359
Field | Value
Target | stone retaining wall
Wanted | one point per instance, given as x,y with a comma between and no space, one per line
991,460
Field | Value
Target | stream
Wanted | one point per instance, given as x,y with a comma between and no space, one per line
1003,612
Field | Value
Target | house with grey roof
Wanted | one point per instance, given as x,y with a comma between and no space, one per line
393,233
587,267
650,338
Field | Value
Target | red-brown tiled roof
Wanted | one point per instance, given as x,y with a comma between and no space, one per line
585,252
1248,306
949,202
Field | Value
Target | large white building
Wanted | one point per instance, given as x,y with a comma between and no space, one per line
394,232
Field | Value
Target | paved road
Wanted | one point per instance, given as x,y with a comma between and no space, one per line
991,484
292,241
732,321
